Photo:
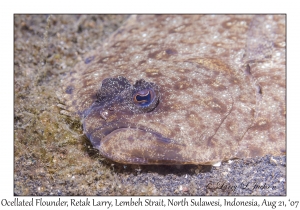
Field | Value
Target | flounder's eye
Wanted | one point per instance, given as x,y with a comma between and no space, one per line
144,97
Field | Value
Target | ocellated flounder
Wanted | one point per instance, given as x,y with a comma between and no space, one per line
184,89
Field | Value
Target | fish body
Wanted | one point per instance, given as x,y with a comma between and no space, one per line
184,89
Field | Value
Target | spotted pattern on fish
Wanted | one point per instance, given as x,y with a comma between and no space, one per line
219,83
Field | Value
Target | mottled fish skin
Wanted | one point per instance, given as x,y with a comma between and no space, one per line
220,81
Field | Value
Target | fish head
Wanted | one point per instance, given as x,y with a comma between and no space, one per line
111,123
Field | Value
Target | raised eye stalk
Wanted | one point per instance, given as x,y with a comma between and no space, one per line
144,97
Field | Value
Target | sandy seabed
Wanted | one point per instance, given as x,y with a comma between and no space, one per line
52,157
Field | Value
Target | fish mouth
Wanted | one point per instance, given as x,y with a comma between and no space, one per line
97,136
112,130
143,149
130,143
100,121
